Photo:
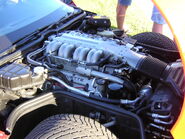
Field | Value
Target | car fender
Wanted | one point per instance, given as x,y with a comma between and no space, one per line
173,11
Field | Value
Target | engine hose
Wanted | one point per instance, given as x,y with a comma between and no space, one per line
115,66
159,127
33,62
82,26
103,99
129,86
163,122
99,63
84,93
156,116
90,72
75,90
157,48
60,75
110,124
136,108
90,95
130,102
115,101
54,71
143,109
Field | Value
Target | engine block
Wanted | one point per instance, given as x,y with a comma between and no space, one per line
75,51
91,48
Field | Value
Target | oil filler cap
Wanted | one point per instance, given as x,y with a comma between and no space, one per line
38,70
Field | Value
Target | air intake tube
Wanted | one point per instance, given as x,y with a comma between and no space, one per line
153,67
159,70
147,65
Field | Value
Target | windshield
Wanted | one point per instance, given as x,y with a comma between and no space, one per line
17,16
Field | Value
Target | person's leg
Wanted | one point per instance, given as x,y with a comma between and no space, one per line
158,28
158,21
121,12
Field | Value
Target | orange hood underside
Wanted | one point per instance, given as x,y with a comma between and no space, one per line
173,11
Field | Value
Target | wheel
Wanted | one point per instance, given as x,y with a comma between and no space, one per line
69,126
155,39
159,41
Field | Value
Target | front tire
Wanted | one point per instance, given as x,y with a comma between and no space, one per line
159,41
69,126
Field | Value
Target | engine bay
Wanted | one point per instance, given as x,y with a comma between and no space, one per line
110,70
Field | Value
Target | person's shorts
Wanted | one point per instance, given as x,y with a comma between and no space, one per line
67,1
125,2
157,17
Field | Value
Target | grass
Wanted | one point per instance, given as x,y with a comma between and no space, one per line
136,19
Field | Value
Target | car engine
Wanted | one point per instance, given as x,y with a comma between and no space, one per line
110,70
